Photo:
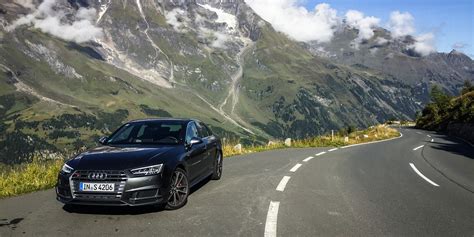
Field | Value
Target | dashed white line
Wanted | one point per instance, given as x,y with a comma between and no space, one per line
432,140
295,168
333,149
308,159
421,175
428,135
418,147
281,186
272,218
321,153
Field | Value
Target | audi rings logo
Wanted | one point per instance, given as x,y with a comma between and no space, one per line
97,176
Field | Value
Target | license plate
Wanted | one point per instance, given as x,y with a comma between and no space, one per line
97,187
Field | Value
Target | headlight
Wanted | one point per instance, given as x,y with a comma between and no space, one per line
67,169
149,170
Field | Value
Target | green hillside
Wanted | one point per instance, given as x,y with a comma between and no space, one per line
445,110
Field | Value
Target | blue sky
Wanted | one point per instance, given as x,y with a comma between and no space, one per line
452,22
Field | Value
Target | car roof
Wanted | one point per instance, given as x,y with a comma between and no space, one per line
185,120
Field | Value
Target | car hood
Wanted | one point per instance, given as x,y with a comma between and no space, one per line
119,158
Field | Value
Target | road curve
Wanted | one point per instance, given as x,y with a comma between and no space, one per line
368,190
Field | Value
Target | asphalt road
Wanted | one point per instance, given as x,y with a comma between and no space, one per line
391,188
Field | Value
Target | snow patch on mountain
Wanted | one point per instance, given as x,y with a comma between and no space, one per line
223,17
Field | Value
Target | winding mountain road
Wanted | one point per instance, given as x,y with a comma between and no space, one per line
381,189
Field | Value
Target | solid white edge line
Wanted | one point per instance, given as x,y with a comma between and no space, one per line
421,175
321,153
308,159
333,149
295,168
272,218
360,144
281,186
418,147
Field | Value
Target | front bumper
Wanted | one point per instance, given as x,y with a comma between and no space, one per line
129,190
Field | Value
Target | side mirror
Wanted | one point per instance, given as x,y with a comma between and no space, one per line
103,140
194,141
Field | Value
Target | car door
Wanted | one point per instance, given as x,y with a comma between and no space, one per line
211,145
195,154
207,159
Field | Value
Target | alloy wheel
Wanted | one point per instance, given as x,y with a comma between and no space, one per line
179,190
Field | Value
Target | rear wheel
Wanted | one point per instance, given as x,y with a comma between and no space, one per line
179,190
217,167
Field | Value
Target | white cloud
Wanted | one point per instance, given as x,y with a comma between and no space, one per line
460,45
175,18
424,44
216,38
52,21
401,24
86,14
365,25
381,41
296,21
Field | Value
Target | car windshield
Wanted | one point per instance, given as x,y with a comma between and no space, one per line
149,132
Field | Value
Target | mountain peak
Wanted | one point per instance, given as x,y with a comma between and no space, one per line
456,52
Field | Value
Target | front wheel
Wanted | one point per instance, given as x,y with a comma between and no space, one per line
179,190
217,167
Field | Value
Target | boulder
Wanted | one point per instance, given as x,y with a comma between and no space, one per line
238,148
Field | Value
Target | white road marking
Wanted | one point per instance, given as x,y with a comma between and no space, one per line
421,175
360,144
281,186
428,135
308,159
418,147
432,140
272,218
419,133
295,168
333,149
321,153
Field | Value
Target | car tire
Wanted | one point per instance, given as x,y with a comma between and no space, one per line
218,166
179,190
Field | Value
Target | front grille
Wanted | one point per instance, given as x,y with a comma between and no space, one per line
119,178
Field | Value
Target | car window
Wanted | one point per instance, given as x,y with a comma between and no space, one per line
209,132
149,132
191,132
202,130
123,134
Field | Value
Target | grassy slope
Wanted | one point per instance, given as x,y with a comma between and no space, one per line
459,110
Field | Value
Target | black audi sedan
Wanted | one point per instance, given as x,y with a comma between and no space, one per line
144,162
